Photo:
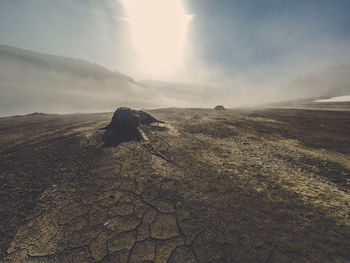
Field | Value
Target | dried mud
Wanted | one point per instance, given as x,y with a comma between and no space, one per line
205,186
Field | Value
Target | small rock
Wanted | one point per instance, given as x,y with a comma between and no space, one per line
219,108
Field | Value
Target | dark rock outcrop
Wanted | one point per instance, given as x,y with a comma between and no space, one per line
219,108
126,125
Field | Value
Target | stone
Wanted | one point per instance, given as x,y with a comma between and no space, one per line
219,108
125,126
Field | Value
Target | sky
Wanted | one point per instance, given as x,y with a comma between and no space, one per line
238,44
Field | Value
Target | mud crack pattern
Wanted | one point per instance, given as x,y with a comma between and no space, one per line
201,189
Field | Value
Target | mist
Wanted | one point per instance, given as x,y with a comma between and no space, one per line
231,52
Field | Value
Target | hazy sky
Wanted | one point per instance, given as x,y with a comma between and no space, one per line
219,42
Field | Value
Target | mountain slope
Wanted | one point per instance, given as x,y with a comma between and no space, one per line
31,81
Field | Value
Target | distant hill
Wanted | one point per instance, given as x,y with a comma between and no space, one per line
330,82
36,82
314,89
303,90
191,95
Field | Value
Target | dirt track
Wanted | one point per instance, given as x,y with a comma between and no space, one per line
233,186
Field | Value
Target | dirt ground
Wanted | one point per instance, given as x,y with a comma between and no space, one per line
267,185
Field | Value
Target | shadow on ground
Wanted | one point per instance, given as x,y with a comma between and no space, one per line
204,186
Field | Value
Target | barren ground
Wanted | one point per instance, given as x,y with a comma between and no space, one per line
233,186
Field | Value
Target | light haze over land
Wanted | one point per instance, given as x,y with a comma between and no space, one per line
237,53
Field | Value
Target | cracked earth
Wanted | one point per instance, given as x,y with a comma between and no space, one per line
206,186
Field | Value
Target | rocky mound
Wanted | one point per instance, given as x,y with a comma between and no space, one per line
219,108
126,125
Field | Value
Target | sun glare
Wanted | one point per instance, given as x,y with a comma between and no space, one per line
158,30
